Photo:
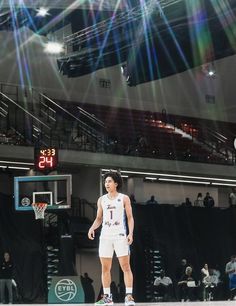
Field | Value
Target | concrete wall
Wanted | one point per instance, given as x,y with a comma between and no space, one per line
24,62
170,193
86,184
70,159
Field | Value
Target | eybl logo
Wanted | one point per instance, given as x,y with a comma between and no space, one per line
65,290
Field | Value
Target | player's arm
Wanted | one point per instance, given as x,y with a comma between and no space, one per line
130,219
97,222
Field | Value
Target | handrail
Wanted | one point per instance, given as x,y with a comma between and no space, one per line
9,85
24,110
216,134
117,21
70,114
223,140
84,203
91,117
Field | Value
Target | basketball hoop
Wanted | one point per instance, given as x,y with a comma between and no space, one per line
39,209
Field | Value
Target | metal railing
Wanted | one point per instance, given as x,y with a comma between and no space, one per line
23,122
55,112
84,209
39,120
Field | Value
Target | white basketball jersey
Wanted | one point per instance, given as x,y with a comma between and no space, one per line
113,216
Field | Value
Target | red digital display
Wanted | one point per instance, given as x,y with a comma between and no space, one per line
45,159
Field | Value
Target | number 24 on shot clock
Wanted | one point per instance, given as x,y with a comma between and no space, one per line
45,159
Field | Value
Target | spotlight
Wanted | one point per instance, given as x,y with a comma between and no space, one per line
53,48
211,73
42,12
209,70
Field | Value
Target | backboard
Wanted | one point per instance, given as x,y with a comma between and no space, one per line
55,190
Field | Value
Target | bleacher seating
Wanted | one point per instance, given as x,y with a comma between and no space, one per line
167,136
99,128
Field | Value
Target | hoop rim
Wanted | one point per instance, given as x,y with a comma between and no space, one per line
38,204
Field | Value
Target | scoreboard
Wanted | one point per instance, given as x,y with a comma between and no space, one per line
45,159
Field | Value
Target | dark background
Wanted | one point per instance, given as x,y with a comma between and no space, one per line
200,235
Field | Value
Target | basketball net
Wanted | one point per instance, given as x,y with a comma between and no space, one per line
39,209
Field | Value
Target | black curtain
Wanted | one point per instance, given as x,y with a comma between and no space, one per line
67,256
200,235
22,236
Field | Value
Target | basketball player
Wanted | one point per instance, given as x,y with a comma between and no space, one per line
111,210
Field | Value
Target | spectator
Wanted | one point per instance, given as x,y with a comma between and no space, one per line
208,200
152,200
187,203
218,294
232,197
230,270
163,286
75,133
205,271
217,273
142,144
210,283
204,274
89,294
187,285
199,200
181,269
6,276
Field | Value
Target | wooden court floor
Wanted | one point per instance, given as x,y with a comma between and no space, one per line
212,303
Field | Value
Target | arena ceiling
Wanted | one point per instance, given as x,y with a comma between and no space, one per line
152,40
64,4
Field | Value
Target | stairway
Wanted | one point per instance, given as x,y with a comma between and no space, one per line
18,119
52,263
64,123
40,121
207,145
153,266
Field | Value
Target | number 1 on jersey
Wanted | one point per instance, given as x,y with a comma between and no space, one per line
111,214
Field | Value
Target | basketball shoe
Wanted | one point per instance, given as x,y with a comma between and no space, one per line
129,300
106,300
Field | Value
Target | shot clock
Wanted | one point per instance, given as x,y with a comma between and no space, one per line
45,159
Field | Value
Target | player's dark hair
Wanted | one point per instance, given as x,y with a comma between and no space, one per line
115,175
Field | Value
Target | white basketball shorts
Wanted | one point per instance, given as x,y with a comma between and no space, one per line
107,246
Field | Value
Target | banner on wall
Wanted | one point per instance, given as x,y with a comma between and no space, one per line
65,290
